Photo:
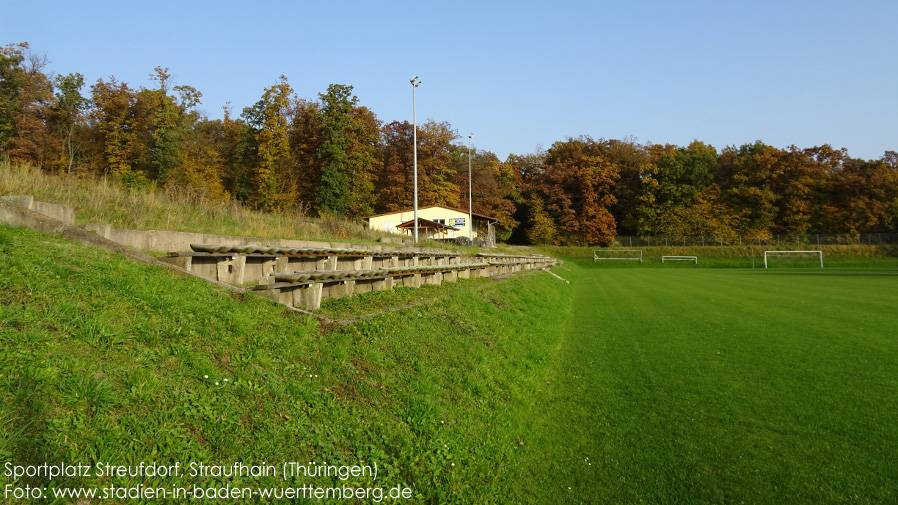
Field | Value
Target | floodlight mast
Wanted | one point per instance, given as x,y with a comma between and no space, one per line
415,83
470,207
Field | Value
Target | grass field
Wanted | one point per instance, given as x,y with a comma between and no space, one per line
630,385
734,386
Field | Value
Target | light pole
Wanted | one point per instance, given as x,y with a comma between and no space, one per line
415,82
470,207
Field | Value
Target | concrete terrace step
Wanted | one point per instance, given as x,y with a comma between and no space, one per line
307,289
245,264
311,251
303,276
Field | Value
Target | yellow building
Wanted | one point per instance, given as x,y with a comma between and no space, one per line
434,222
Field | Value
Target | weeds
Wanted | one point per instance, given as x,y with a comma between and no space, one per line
171,208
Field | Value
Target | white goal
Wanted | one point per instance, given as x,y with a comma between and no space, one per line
679,258
798,254
617,254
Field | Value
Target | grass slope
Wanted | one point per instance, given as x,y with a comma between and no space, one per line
171,208
104,360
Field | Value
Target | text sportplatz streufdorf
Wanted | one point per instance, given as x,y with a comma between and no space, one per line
301,480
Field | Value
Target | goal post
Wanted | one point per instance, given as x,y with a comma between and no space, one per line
679,258
819,254
617,254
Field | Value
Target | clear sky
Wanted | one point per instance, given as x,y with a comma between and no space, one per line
517,74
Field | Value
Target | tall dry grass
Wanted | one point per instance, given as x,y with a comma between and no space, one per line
171,208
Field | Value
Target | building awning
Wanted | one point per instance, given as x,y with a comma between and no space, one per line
425,224
463,211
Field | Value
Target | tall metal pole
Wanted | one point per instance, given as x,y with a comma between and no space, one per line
415,82
470,212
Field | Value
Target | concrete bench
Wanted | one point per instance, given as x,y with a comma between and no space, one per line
243,264
307,289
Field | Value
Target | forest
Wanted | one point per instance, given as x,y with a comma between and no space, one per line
331,155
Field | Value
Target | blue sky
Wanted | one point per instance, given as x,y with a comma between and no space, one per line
517,74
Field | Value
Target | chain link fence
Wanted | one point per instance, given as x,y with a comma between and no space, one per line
773,240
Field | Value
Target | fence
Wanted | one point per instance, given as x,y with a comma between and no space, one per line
773,240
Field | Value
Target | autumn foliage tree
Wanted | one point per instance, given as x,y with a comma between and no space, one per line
114,131
26,108
333,155
494,189
578,188
394,183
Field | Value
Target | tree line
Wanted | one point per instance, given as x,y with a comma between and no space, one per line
331,155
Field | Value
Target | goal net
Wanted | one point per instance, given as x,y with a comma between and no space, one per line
680,258
793,258
617,254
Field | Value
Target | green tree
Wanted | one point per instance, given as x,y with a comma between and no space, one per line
201,162
305,141
68,113
272,186
334,190
542,228
238,148
745,177
671,180
348,154
634,166
168,124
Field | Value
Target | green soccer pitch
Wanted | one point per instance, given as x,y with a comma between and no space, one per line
733,385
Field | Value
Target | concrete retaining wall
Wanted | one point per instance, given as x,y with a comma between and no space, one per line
63,213
166,241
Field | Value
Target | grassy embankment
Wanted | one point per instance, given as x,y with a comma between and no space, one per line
171,208
104,360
